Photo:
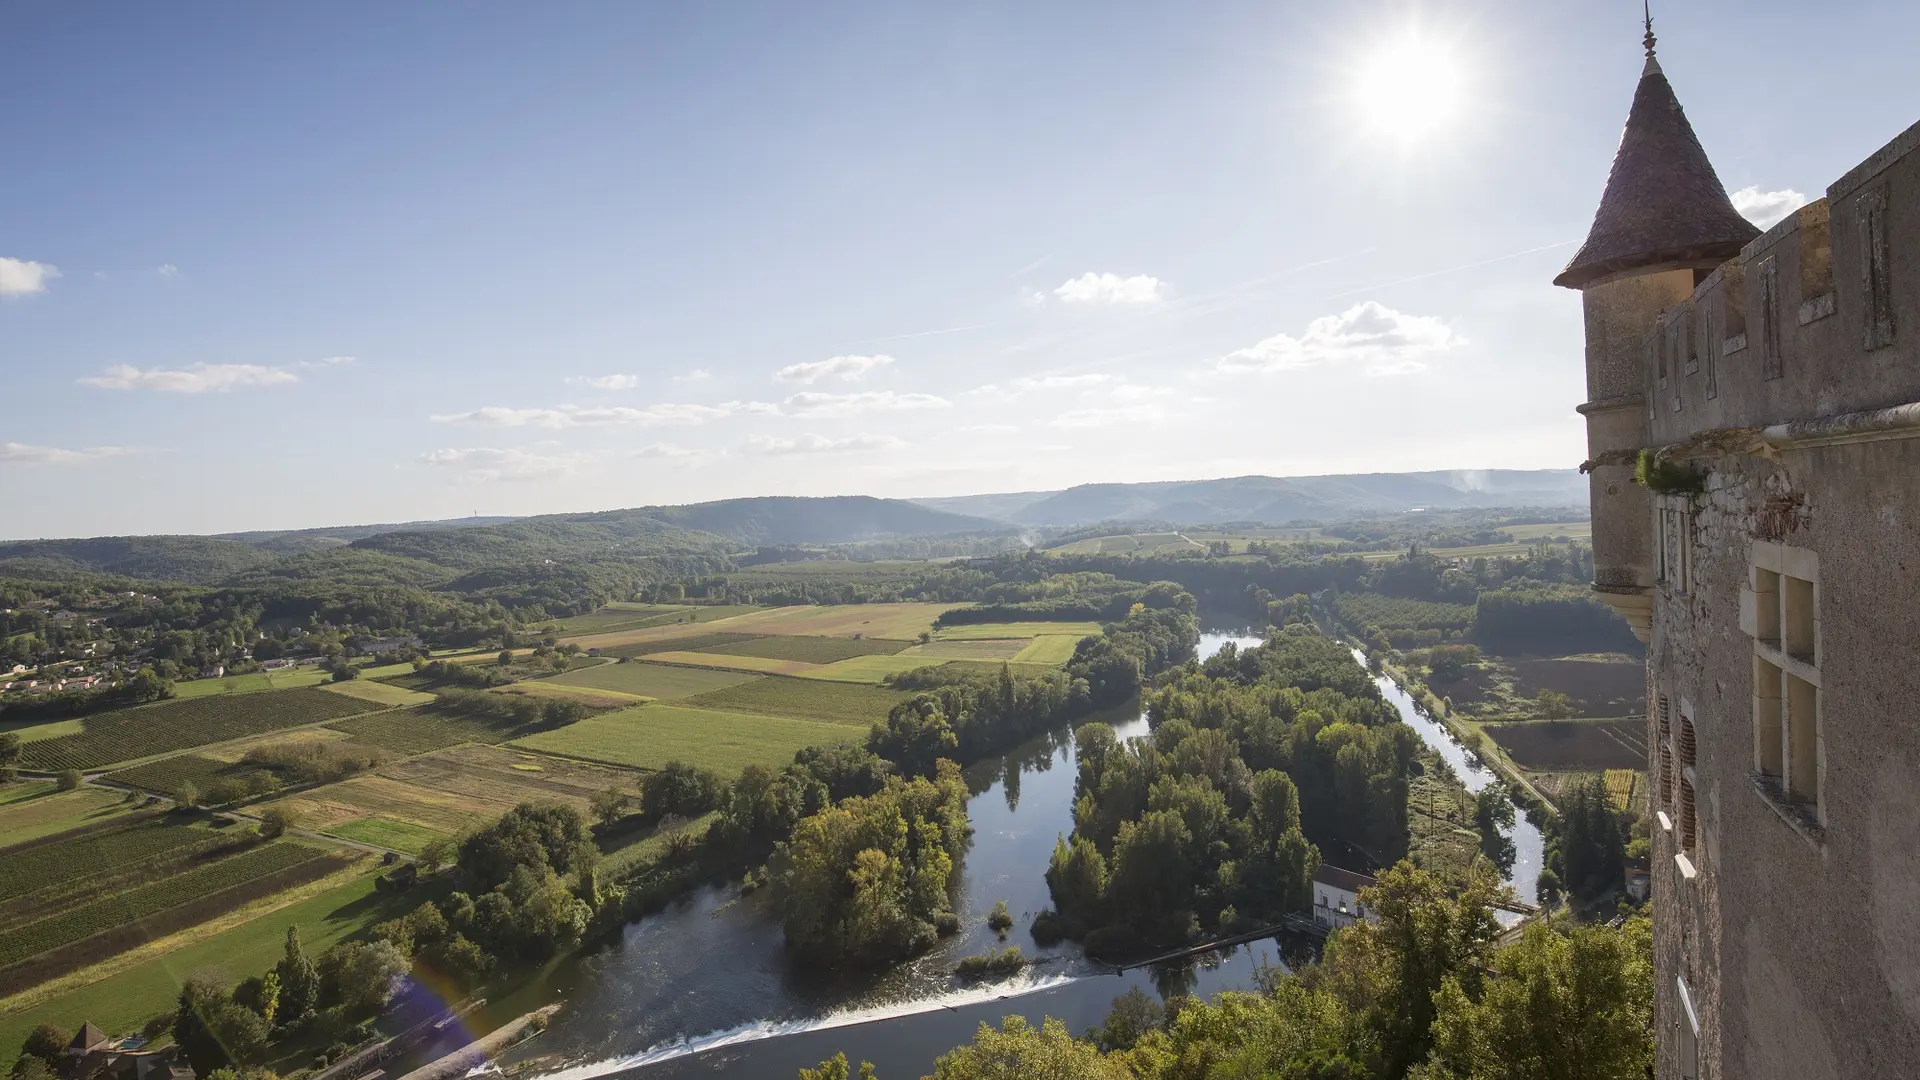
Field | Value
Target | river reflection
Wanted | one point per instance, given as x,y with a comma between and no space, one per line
706,986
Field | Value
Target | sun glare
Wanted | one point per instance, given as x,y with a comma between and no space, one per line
1410,90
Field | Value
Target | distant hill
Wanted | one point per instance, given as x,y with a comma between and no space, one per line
413,552
1276,500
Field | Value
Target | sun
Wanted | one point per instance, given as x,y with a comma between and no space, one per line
1410,89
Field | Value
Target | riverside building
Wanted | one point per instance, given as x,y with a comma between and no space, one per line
1766,387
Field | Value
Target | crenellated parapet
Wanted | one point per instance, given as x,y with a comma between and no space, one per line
1818,316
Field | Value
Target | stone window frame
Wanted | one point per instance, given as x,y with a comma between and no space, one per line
1772,365
1780,613
1673,543
1876,269
1683,745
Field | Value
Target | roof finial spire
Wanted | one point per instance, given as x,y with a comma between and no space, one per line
1646,8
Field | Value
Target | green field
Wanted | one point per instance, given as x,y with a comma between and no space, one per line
388,833
252,683
74,923
122,1002
809,699
650,736
64,861
33,809
875,669
808,650
380,693
417,731
971,649
126,734
37,730
979,631
630,849
166,775
1049,649
682,643
650,680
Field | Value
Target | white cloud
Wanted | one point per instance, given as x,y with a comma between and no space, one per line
575,416
666,452
329,361
13,453
1388,342
1137,392
1767,208
815,403
697,375
986,429
1109,416
992,392
605,382
167,270
820,444
193,379
483,464
19,277
1059,382
1091,288
844,368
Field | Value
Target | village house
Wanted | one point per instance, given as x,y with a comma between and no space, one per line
91,1054
1336,897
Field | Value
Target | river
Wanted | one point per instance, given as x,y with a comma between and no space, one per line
706,986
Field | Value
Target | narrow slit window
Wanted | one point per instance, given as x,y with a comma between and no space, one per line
1770,365
1767,735
1665,744
1876,283
1803,739
1797,620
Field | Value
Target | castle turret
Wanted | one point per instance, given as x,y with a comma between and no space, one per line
1664,223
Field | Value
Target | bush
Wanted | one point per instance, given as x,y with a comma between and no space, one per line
1002,962
275,820
69,779
1000,919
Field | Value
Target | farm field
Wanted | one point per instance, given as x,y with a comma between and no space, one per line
1400,618
33,809
621,616
1130,543
151,983
650,736
1604,684
810,650
36,730
980,631
722,662
199,888
676,639
808,699
167,775
588,696
127,734
970,649
452,791
647,680
76,859
897,622
418,731
251,683
379,693
1573,745
388,833
1049,649
875,669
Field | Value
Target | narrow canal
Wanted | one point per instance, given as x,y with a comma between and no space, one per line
706,986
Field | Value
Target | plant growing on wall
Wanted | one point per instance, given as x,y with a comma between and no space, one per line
1664,477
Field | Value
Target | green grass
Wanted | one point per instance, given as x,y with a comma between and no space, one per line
252,683
127,734
809,650
121,1003
388,833
684,643
972,649
650,736
627,850
417,731
808,699
1049,649
875,669
651,680
379,693
37,730
977,631
29,811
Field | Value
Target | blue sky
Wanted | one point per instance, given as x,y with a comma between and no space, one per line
269,266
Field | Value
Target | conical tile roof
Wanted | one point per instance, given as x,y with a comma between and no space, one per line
1663,202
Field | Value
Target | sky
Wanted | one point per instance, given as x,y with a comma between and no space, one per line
290,265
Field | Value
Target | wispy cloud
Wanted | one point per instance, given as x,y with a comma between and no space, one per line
193,379
986,429
23,277
1767,208
1388,342
820,444
1109,416
167,270
605,382
667,452
1091,288
13,453
697,375
813,403
577,416
844,368
1060,382
483,464
328,362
